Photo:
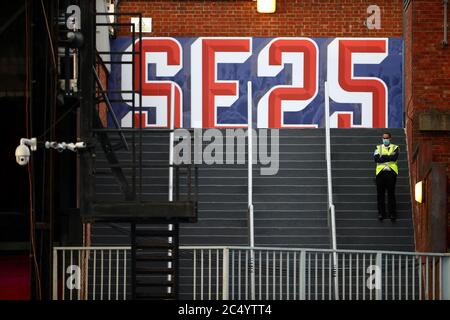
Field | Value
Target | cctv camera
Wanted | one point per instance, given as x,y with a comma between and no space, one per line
49,144
71,147
22,155
23,152
80,145
75,146
60,147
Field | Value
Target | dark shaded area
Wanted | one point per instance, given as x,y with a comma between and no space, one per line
34,113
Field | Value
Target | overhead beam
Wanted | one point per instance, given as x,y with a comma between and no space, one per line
182,211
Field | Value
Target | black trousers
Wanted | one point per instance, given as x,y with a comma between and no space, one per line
386,181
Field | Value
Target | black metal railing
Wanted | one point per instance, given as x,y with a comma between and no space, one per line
130,165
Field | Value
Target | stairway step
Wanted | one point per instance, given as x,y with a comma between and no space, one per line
290,207
144,270
148,296
154,258
147,244
141,283
155,233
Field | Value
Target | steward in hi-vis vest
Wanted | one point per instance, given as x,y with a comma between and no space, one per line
386,171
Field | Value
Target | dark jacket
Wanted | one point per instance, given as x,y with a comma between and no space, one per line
385,158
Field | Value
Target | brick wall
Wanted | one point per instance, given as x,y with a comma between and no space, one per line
309,18
427,81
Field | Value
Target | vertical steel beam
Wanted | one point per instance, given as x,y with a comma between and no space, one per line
86,53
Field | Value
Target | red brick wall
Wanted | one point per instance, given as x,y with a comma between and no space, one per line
427,79
309,18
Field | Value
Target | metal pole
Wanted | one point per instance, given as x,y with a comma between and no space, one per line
225,274
171,125
302,275
250,191
331,216
172,137
55,274
379,277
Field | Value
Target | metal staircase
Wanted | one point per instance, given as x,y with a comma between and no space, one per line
154,252
126,181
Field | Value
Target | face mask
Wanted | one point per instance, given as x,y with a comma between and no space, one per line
386,142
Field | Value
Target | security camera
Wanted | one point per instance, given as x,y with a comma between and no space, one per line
23,151
80,145
75,146
71,147
61,146
22,155
49,145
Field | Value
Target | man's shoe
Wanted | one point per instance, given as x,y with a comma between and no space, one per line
393,218
380,217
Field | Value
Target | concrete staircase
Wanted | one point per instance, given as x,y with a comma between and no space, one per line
290,207
354,189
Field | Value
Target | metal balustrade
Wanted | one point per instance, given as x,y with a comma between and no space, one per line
211,273
91,273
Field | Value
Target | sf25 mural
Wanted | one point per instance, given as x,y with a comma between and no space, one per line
208,80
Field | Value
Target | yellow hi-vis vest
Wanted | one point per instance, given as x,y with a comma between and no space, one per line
391,164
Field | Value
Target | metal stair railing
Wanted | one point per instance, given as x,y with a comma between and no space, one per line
222,272
331,208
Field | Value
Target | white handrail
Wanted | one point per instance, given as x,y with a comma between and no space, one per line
171,148
250,189
250,165
405,253
331,209
332,220
171,139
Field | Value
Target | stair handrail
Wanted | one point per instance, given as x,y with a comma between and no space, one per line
102,92
331,208
251,218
